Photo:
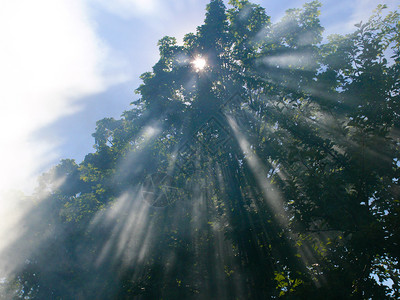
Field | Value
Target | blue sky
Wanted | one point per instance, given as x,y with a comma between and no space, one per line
67,63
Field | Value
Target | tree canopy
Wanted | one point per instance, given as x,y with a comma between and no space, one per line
270,172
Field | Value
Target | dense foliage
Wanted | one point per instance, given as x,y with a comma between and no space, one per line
281,159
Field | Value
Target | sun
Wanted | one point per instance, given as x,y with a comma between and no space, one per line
199,64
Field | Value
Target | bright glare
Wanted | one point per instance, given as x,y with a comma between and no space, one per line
199,63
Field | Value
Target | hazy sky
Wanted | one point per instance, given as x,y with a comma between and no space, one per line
64,64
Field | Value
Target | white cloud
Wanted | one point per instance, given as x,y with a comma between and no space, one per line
50,57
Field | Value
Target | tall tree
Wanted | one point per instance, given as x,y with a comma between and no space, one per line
270,170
